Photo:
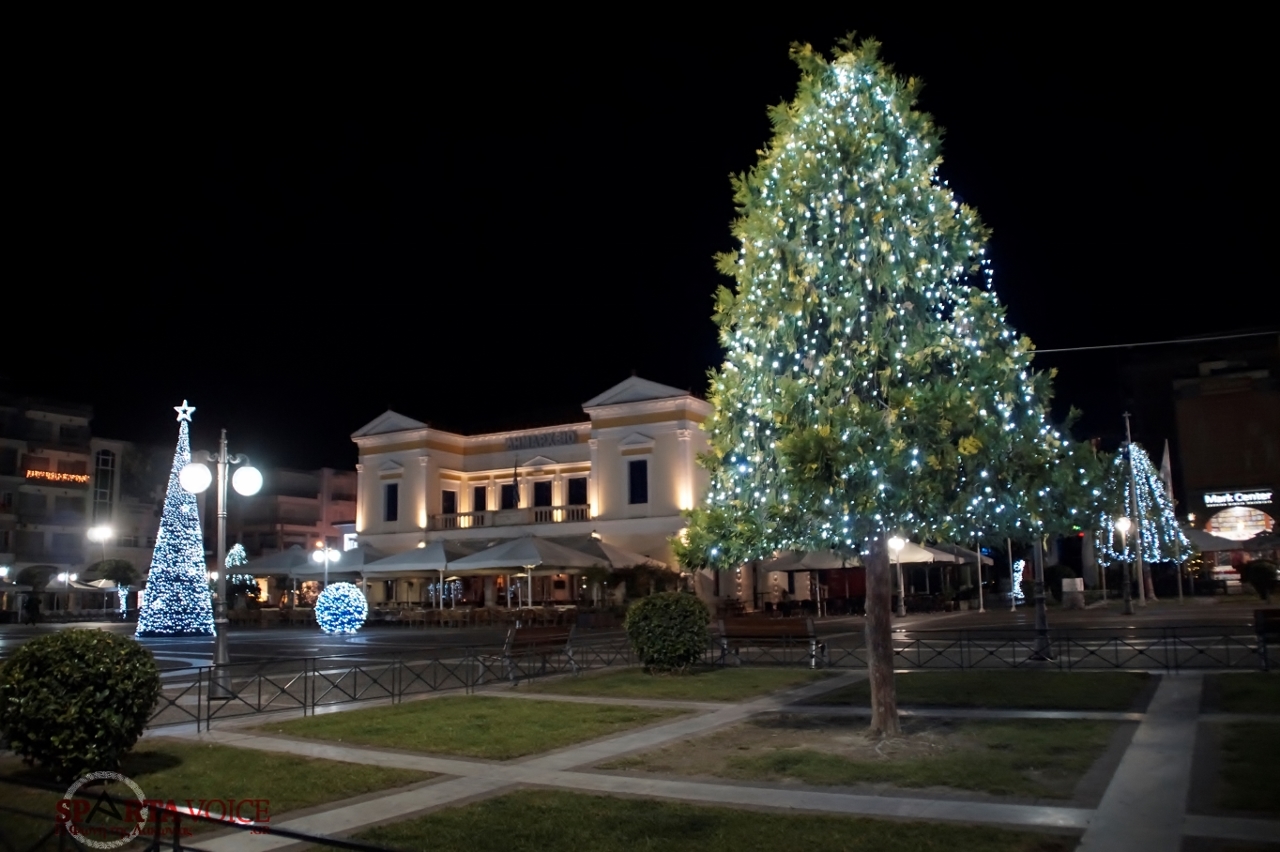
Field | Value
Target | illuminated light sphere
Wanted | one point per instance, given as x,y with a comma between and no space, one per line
896,544
1123,524
195,477
341,608
247,481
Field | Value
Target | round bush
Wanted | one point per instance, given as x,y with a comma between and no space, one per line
668,630
77,701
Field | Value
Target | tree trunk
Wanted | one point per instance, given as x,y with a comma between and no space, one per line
884,695
1146,582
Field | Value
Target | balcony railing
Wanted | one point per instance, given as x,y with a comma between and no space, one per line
511,517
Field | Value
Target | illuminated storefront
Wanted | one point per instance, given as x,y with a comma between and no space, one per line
623,474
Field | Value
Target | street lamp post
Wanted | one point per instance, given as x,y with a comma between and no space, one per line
195,477
324,554
896,544
1124,524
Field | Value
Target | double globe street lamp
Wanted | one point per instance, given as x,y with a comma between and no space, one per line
195,477
324,554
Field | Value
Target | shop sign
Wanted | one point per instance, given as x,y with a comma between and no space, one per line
1227,499
560,438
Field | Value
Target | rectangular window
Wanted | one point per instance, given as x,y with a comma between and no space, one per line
391,502
479,499
542,493
36,462
509,496
578,491
8,461
448,502
76,466
66,544
638,481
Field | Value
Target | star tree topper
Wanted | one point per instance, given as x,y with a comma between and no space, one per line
184,411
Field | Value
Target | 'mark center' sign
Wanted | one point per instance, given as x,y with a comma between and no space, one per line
1227,499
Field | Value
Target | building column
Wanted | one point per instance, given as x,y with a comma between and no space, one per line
360,501
593,478
685,495
424,518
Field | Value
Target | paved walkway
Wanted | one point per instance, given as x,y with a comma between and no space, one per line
1143,807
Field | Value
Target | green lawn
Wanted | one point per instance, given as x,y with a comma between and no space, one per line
716,683
472,725
1016,757
538,820
1250,755
182,770
1246,692
1021,690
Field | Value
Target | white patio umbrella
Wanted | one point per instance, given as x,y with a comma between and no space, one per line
435,557
528,552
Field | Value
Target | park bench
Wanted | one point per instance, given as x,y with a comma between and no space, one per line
768,633
538,643
1266,623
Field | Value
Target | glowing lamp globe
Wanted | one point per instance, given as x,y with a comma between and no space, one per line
247,481
341,608
1123,524
896,544
195,477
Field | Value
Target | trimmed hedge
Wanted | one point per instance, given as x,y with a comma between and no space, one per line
668,630
76,701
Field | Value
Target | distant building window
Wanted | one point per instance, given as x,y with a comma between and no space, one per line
638,481
542,493
391,502
449,502
479,499
104,478
509,496
578,491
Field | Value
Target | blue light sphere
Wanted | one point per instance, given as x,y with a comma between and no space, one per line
341,608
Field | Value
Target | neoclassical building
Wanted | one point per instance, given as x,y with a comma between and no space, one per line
624,472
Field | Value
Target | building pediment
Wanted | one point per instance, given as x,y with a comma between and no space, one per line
386,423
636,441
391,466
634,389
538,461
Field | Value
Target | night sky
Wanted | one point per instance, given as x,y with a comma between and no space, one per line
482,230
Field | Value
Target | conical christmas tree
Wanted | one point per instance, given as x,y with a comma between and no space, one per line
1156,524
176,601
871,386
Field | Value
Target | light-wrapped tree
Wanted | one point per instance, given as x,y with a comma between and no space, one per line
871,385
177,600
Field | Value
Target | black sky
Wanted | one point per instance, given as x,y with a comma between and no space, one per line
482,223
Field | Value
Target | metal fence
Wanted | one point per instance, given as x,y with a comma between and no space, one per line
1169,649
204,695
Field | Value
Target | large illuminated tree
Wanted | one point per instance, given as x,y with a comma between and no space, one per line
177,601
871,385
